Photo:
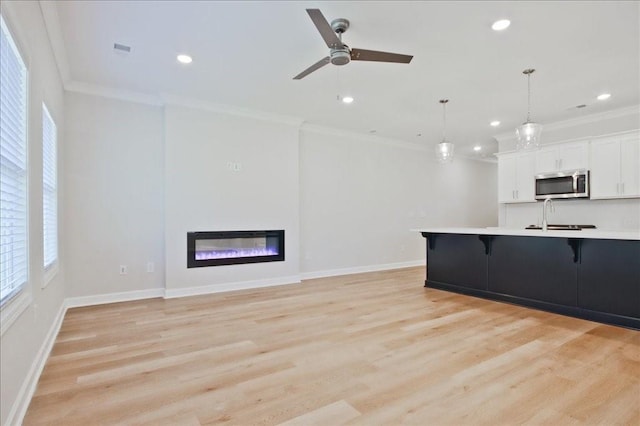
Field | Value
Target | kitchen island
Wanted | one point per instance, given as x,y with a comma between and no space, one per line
590,274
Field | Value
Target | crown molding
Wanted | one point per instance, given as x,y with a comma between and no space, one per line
575,122
49,10
108,92
166,99
174,100
396,143
490,158
336,132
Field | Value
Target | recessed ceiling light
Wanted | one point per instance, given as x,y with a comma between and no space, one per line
495,123
604,96
347,99
477,148
500,25
184,59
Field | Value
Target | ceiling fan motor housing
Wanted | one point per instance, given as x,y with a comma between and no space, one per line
340,53
340,56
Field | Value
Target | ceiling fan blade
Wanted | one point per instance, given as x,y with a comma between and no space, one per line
325,29
374,55
321,63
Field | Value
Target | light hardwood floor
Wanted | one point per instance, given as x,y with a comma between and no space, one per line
367,349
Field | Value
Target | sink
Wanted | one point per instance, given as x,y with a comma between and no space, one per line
562,227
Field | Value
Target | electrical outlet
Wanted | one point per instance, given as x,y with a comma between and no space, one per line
151,267
123,269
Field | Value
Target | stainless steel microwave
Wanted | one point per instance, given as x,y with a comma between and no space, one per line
567,184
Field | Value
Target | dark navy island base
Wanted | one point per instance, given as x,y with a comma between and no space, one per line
593,279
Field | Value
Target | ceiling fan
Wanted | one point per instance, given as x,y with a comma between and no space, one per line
340,53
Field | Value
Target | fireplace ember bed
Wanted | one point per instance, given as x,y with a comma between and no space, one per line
234,247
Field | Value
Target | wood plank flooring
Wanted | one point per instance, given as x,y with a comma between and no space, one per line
366,349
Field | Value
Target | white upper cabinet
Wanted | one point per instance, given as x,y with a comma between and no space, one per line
615,167
630,167
515,178
557,158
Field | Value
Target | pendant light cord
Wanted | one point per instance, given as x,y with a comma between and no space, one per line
444,119
528,72
444,122
528,97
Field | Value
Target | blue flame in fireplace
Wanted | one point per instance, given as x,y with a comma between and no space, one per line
234,253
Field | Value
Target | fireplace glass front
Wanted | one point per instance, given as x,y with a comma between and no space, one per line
234,247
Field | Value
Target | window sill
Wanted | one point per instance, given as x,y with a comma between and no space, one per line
13,309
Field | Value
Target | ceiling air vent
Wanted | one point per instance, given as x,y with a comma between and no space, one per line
122,47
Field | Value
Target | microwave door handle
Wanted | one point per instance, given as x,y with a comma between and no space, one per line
575,183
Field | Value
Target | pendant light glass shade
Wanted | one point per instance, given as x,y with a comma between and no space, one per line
528,135
445,149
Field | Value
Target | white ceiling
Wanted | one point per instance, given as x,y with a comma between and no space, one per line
246,54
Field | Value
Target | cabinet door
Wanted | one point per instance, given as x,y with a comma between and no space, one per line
506,179
605,169
525,180
535,268
458,260
630,168
609,277
574,156
563,157
547,160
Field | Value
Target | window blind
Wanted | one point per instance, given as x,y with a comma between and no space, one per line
13,168
49,189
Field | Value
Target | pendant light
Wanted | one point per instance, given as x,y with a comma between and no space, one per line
529,133
444,150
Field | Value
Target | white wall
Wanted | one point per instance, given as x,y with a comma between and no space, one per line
140,177
114,172
360,196
203,194
29,335
615,215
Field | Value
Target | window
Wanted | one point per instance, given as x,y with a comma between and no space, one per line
49,191
13,168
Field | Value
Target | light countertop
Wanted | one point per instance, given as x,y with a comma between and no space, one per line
585,233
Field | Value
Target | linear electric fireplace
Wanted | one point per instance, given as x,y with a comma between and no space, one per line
234,247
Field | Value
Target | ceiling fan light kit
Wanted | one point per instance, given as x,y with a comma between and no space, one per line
445,149
528,134
339,52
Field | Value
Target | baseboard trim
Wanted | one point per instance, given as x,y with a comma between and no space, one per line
224,287
361,269
28,388
125,296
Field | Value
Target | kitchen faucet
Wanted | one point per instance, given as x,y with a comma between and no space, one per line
544,212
